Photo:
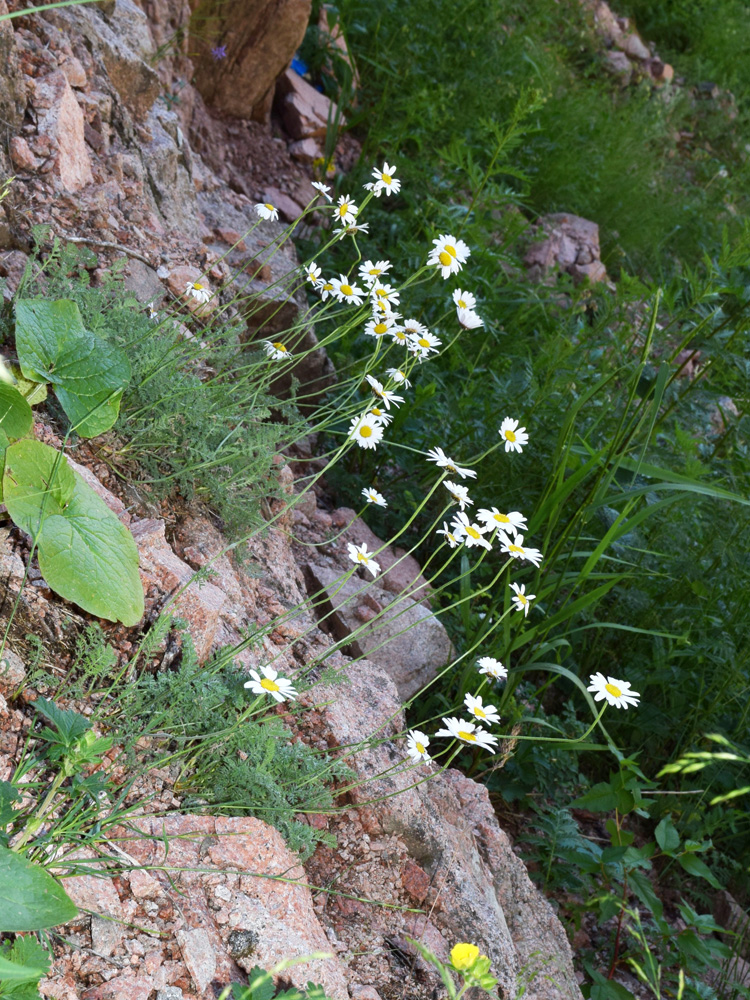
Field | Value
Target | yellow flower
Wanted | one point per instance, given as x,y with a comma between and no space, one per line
463,955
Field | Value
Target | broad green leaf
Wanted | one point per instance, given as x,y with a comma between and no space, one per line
37,483
694,866
599,798
23,961
88,372
30,899
69,724
15,413
85,554
666,836
641,886
9,795
32,392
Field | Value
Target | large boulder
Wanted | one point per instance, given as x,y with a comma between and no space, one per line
259,38
463,868
565,242
12,83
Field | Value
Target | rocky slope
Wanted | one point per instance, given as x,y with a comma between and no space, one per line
118,140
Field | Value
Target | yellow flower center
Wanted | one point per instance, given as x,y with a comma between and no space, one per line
510,436
361,558
375,271
521,598
420,747
381,292
450,249
279,347
515,548
473,532
344,209
365,431
480,712
328,287
270,207
376,412
380,328
399,334
346,290
462,304
423,342
445,258
464,734
197,286
502,518
449,467
613,690
269,685
386,178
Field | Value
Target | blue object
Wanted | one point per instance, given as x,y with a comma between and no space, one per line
299,66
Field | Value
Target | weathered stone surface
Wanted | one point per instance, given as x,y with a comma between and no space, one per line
12,671
305,150
21,154
288,207
143,885
260,37
400,573
122,988
167,159
569,243
99,896
275,919
61,121
452,834
199,604
634,46
402,635
304,111
619,65
142,281
12,82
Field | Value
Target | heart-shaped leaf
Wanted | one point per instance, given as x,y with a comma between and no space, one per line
89,373
30,899
85,554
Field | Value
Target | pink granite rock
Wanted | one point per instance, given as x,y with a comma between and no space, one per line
61,120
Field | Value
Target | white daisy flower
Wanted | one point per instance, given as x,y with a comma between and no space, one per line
442,461
280,688
312,274
323,188
352,230
494,518
517,550
359,555
618,693
464,300
470,534
468,319
385,181
367,431
522,600
346,210
372,496
421,346
449,254
467,732
370,273
381,416
416,746
492,667
398,377
153,315
399,336
382,293
448,534
515,437
414,327
267,211
459,494
276,350
485,713
325,287
386,395
345,292
379,326
197,291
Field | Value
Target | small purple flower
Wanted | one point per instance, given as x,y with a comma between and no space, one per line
220,52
